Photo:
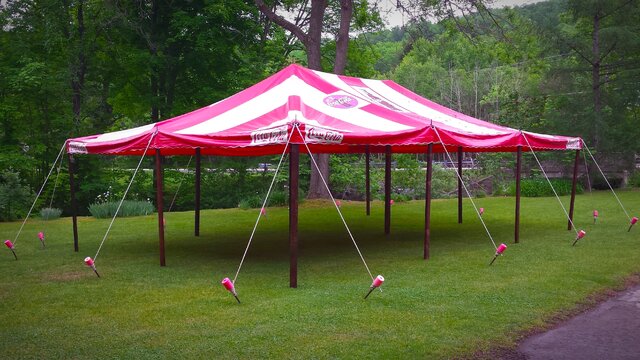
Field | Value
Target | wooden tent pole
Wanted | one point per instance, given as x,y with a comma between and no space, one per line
197,186
427,202
368,179
387,190
516,237
160,204
573,188
294,169
74,204
460,154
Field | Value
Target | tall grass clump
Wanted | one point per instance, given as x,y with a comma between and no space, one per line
50,213
129,208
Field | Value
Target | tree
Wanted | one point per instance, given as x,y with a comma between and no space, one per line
307,27
603,36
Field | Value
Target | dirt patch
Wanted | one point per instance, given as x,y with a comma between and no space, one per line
511,353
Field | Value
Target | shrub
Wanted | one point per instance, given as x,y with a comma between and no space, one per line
15,197
540,187
50,213
599,182
400,197
129,208
278,198
251,202
634,180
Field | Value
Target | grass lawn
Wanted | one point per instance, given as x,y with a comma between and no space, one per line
53,306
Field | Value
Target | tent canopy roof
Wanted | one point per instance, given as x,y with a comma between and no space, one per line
335,114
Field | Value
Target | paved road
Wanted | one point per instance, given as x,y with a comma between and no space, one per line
609,331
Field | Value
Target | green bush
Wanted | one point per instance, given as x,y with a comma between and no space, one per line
50,213
251,202
129,208
278,198
540,187
599,183
634,180
15,197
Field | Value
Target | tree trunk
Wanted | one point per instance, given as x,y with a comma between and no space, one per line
79,67
595,79
316,187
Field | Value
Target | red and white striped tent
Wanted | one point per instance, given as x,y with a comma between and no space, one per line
335,114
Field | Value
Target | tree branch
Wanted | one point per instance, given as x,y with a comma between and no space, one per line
284,23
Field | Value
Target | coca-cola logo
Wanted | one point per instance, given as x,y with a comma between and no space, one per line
341,101
269,136
77,148
323,136
574,144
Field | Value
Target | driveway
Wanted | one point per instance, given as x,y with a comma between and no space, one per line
609,331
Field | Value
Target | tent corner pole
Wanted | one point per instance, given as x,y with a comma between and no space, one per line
294,169
368,179
573,189
516,237
160,204
197,195
74,204
427,202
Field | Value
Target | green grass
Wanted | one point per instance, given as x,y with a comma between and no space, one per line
53,306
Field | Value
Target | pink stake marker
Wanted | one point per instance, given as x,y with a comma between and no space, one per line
41,237
338,203
228,284
90,263
481,211
377,282
263,212
391,201
595,216
634,220
499,252
580,235
9,244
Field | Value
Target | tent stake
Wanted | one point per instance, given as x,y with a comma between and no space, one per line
294,168
516,237
387,190
427,202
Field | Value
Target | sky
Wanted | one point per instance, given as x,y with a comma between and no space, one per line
395,18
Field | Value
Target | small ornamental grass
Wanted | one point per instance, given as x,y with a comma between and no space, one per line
129,208
50,213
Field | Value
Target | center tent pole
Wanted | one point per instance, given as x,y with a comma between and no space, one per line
368,179
197,186
518,177
294,170
460,154
387,190
427,202
160,204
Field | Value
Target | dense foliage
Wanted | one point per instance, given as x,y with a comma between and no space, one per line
77,67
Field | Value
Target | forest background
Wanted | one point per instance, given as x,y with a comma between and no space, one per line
70,68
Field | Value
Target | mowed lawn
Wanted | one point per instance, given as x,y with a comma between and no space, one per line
53,306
